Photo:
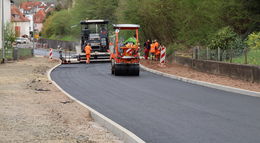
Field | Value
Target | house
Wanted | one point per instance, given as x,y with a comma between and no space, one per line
21,24
39,19
30,7
36,12
5,7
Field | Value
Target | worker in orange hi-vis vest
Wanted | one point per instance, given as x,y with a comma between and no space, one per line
152,50
157,50
88,50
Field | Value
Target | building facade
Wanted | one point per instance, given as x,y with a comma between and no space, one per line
21,24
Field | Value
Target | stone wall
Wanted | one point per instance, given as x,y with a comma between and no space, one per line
240,71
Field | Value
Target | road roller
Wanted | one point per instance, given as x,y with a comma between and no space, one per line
125,54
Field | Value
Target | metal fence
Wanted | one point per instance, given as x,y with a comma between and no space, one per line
8,54
241,56
17,53
55,44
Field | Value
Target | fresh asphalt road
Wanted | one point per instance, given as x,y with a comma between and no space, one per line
163,110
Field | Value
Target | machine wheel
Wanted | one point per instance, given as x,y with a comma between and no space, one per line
119,70
113,70
112,67
116,70
134,70
137,70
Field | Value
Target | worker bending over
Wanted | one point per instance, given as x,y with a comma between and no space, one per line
88,50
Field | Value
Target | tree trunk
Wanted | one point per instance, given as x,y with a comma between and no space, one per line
245,52
231,55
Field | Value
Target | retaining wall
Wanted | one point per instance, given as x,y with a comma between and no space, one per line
240,71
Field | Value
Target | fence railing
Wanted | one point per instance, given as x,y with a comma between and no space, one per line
241,56
17,53
55,44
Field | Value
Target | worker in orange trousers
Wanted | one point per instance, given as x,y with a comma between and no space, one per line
157,50
88,50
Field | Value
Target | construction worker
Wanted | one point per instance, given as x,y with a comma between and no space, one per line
88,50
147,46
152,50
157,50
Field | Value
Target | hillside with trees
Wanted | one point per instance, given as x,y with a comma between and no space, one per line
176,23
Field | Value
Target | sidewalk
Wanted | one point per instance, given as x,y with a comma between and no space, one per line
34,110
187,72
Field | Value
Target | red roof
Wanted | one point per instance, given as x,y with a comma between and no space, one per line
39,16
17,15
30,4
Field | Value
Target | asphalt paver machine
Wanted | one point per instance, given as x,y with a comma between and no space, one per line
95,32
125,56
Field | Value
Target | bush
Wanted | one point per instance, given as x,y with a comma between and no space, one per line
253,41
223,39
9,35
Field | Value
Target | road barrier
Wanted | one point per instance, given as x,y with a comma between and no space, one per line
163,55
50,54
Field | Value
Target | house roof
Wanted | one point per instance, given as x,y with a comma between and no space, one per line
39,16
17,15
30,4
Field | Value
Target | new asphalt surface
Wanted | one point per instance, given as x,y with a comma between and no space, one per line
163,110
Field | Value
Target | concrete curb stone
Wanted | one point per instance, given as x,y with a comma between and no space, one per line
112,126
202,83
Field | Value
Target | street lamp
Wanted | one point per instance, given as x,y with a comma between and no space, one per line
3,37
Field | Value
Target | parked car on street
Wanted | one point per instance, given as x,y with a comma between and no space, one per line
21,40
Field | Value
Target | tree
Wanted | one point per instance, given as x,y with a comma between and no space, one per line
9,35
226,40
60,22
253,41
222,38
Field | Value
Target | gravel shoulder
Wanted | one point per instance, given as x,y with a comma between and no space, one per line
182,71
34,110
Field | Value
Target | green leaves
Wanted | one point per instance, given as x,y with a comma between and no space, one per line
60,23
225,39
253,41
189,22
9,35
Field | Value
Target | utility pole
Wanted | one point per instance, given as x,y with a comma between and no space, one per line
33,35
3,36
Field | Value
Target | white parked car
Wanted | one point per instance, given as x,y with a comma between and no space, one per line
21,40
